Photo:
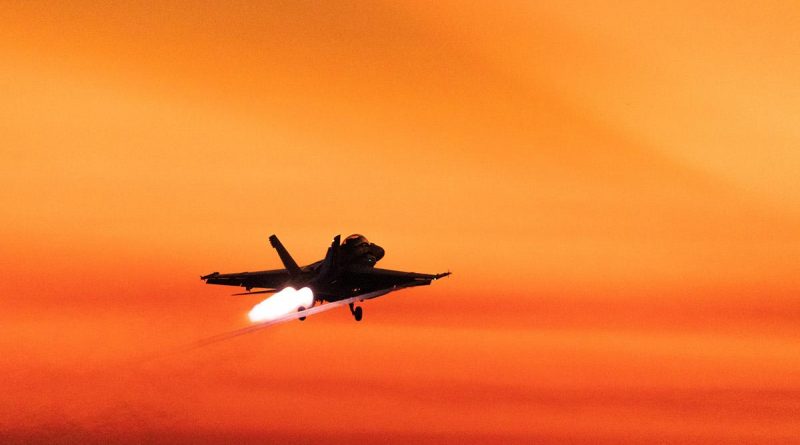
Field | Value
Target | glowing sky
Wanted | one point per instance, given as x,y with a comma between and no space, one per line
614,188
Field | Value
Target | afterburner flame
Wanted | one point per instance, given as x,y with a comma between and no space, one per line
286,301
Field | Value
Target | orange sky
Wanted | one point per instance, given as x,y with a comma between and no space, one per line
614,187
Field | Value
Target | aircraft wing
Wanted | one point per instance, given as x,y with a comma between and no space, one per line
269,279
374,278
332,305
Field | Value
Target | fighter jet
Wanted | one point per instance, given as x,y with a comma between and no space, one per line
347,275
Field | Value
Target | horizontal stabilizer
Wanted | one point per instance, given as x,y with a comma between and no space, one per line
268,291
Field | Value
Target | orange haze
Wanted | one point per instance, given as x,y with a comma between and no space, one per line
614,186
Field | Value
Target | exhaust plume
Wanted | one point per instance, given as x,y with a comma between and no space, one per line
286,301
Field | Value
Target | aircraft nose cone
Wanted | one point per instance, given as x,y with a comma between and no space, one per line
376,251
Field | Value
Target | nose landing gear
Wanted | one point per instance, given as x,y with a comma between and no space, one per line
357,312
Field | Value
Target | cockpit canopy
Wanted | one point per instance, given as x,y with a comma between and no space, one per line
355,240
357,249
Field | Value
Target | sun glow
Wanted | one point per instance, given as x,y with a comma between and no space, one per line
286,301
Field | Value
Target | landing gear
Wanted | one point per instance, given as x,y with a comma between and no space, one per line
301,309
357,312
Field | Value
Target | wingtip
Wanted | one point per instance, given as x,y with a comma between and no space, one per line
211,275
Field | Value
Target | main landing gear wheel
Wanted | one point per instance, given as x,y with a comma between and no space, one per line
357,312
301,309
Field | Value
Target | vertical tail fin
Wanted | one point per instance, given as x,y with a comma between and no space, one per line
288,261
331,259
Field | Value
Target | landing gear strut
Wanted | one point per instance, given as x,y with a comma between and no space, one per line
357,312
